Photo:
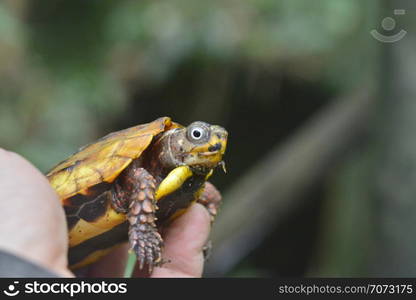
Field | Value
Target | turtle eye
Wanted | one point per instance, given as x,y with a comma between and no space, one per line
198,133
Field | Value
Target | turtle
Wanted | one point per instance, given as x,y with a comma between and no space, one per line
130,184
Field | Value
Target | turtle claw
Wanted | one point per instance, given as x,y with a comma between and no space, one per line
207,250
147,244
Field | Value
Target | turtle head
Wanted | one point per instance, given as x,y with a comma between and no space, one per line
200,146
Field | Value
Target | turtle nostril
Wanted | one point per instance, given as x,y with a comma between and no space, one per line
215,147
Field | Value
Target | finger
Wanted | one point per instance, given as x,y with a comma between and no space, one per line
34,211
112,265
184,241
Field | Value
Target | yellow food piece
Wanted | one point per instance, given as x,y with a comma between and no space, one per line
173,181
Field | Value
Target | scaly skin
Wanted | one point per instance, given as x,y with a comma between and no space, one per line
135,195
211,199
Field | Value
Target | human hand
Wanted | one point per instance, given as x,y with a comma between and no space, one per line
33,224
184,241
35,228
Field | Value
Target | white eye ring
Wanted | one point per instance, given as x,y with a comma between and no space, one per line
197,133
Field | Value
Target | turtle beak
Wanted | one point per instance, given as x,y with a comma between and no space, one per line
211,153
218,140
217,146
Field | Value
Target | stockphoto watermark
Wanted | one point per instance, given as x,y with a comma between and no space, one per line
389,26
68,288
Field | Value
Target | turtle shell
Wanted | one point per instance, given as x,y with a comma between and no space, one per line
105,159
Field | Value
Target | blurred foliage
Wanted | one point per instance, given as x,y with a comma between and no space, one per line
72,71
68,66
343,250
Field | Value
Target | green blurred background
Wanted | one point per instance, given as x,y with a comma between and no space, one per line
322,157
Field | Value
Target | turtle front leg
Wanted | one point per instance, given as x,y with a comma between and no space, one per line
211,199
135,195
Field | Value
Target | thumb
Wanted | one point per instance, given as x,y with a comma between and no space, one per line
184,242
